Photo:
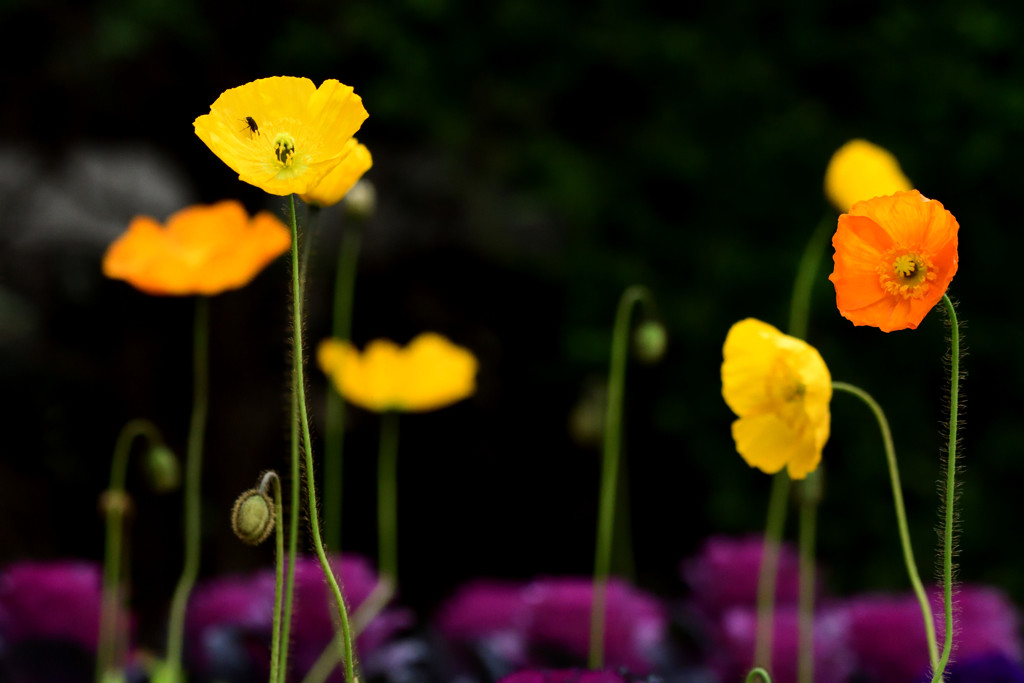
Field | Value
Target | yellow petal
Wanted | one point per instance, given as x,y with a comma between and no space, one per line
749,352
766,442
860,170
333,188
428,374
439,373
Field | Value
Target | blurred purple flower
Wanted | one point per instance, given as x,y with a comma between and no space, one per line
635,622
888,638
229,620
725,574
51,601
491,612
833,661
992,668
570,676
522,621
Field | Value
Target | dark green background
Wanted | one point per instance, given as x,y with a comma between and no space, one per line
532,159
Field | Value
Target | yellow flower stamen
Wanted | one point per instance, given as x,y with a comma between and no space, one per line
906,274
284,148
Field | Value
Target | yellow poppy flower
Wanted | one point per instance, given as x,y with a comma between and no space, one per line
282,134
201,250
428,374
780,389
333,188
860,170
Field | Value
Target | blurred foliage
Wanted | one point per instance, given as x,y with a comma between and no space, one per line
533,159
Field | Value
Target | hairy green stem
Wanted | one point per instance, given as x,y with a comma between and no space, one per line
293,532
901,516
109,653
307,446
758,671
947,550
275,634
374,604
193,475
334,436
610,464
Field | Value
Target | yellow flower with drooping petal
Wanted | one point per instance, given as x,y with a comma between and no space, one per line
780,389
429,373
333,188
282,134
202,250
860,170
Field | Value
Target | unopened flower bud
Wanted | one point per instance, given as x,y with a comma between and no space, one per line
162,469
361,200
586,421
252,517
650,341
112,501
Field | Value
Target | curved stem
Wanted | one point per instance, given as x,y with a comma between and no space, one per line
769,570
758,671
374,604
334,434
193,475
901,516
610,465
387,498
947,554
307,446
275,634
108,655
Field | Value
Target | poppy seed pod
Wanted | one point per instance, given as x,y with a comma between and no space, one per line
252,517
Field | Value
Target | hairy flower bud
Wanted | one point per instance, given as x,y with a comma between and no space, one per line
252,517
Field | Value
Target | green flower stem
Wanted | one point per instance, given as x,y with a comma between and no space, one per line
610,465
193,475
307,446
109,652
901,515
810,498
387,498
293,532
806,276
275,634
947,554
769,570
334,436
374,604
758,671
799,313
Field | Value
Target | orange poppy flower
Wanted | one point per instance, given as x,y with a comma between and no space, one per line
895,257
201,250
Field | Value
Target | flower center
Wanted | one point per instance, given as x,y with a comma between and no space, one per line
786,392
905,273
284,148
